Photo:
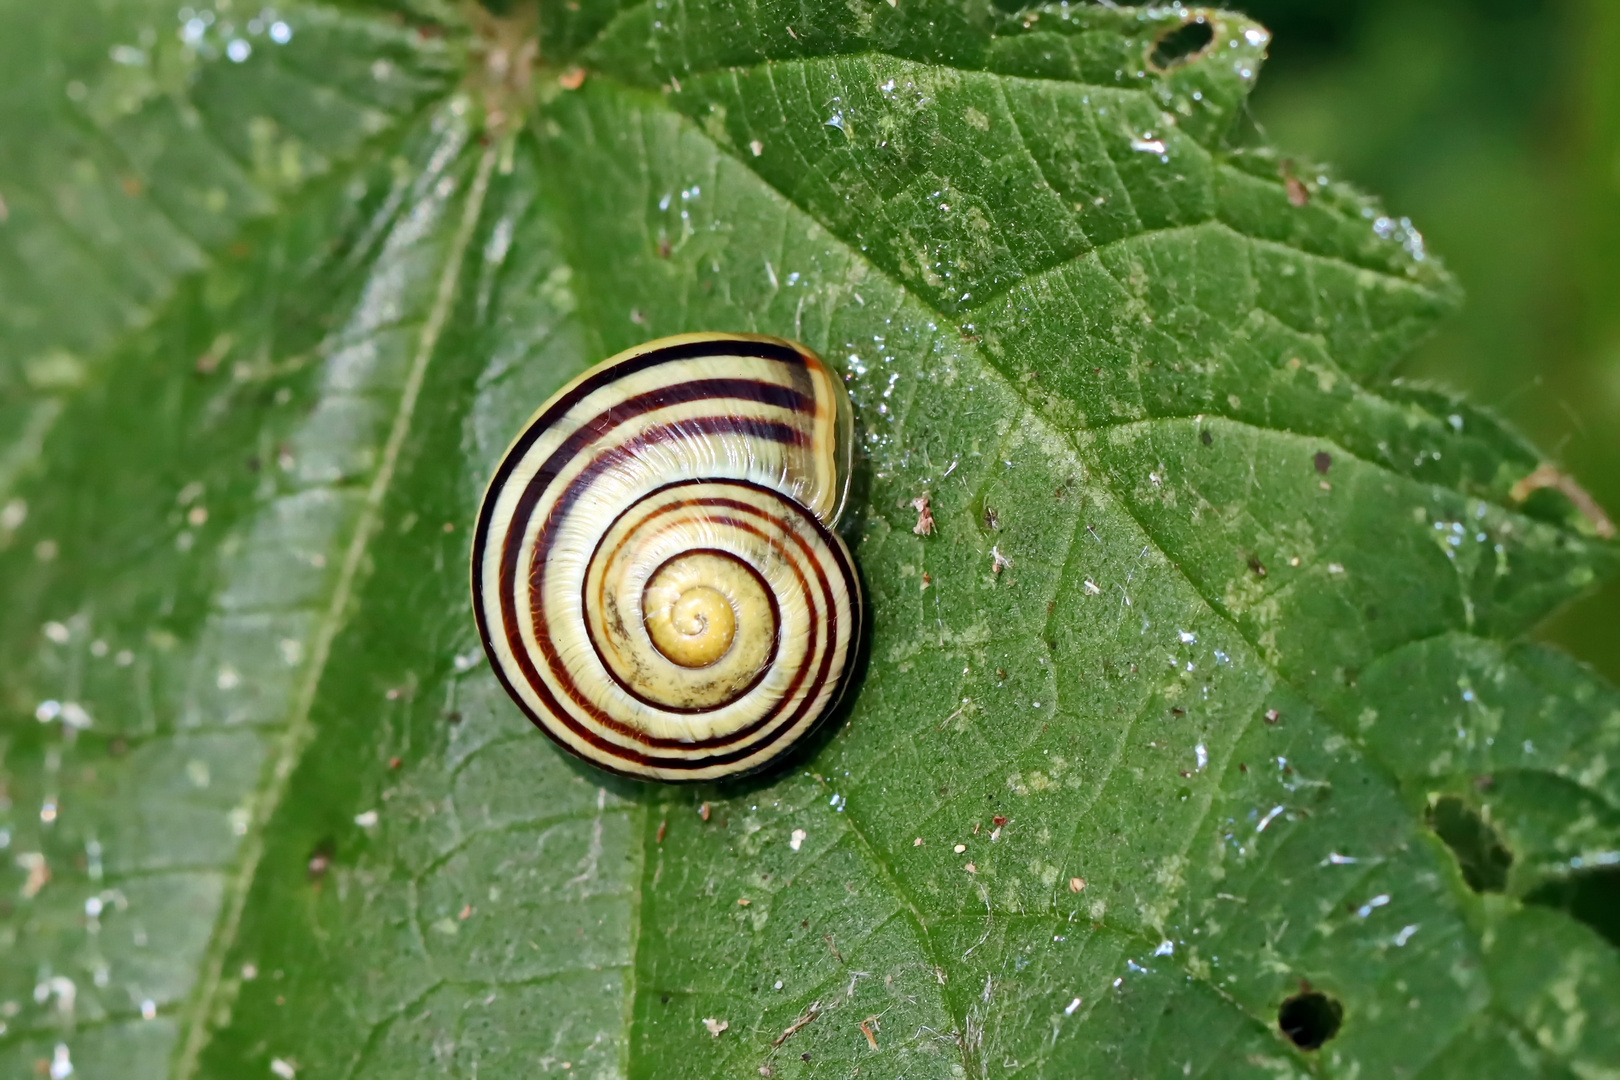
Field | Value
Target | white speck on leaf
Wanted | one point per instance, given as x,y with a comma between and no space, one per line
998,561
1376,902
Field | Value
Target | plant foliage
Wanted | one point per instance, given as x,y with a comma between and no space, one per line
1198,738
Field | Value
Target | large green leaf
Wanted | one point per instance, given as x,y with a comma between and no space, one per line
1205,702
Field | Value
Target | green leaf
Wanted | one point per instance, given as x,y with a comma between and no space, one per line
1212,669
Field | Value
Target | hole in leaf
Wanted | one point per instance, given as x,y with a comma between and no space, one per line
1592,896
1310,1019
1180,45
1481,855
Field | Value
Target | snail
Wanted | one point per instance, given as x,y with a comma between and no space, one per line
655,575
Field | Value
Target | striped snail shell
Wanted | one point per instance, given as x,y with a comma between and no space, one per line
654,572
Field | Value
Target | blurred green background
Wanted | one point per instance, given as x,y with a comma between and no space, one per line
1495,126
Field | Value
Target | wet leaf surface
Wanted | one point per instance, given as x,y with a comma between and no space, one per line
1198,738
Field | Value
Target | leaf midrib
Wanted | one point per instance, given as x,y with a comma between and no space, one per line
299,731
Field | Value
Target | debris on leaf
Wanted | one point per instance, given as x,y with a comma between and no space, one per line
998,561
925,516
811,1011
1298,193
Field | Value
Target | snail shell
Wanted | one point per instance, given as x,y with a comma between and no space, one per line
654,572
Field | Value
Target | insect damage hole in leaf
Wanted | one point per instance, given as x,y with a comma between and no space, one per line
1310,1018
1181,45
1481,855
1592,896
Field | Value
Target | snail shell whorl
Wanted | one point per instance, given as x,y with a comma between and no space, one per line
654,572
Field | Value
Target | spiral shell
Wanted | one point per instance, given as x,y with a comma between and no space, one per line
654,572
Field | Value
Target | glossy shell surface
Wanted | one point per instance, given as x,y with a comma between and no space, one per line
654,572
